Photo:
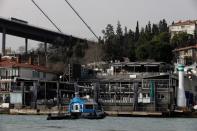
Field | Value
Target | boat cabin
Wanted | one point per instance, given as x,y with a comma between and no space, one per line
82,105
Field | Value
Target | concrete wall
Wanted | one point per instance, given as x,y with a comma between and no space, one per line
27,73
118,108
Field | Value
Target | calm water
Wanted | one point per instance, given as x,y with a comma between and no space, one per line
39,123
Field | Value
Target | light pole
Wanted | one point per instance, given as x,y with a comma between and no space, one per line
58,97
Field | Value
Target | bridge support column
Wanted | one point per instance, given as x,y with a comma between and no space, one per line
3,41
26,45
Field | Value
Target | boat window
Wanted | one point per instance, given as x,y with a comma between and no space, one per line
89,106
80,106
76,107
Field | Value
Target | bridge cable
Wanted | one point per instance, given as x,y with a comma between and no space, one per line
81,19
46,16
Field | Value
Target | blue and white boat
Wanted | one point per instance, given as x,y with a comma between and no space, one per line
85,108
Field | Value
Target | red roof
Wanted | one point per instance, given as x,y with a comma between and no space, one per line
13,63
188,22
185,48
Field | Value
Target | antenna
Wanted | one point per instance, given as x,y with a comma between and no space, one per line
46,16
81,19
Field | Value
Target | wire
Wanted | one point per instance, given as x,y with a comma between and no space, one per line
81,19
46,16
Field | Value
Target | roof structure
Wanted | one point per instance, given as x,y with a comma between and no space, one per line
185,48
188,22
119,64
12,63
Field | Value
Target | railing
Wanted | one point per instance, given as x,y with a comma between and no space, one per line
124,101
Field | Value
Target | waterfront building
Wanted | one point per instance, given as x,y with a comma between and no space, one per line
19,81
137,86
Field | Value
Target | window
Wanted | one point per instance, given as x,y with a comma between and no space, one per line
89,106
15,71
76,107
161,96
35,74
195,88
44,75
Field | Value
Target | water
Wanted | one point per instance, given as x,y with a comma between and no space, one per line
39,123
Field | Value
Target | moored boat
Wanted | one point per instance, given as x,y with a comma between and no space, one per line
81,108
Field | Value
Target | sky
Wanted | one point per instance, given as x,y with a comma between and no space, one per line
97,13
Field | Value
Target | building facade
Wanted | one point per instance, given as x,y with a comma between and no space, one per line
188,54
137,86
189,27
19,81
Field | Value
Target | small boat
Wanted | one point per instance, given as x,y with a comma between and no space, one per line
86,108
81,108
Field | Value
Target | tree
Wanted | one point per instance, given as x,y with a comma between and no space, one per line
125,31
163,26
155,29
142,52
119,31
137,32
131,46
162,37
151,42
165,53
109,39
108,33
182,39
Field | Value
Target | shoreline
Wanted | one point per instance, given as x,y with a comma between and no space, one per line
171,114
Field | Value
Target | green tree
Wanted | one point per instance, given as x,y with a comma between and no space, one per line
163,26
109,43
137,32
155,29
108,33
162,37
182,39
142,52
151,42
119,31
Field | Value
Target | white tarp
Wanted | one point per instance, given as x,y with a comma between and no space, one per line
4,105
16,98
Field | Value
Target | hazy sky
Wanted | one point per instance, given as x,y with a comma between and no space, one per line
97,13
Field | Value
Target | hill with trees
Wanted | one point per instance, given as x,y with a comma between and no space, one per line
150,42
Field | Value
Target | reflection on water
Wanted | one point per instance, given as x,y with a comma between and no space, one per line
39,123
